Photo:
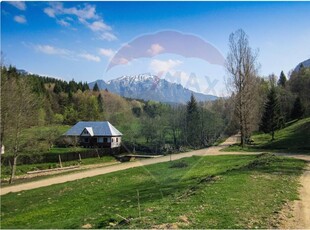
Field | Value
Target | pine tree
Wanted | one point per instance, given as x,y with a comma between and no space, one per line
282,80
100,103
192,122
96,88
85,87
57,88
73,86
271,116
298,109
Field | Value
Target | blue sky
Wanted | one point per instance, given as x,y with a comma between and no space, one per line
76,40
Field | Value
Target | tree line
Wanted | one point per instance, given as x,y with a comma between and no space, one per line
33,101
263,104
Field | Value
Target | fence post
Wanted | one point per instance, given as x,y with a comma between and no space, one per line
138,196
60,161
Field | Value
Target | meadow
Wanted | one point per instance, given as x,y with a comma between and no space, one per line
239,191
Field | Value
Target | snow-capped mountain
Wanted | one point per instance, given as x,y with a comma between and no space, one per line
150,87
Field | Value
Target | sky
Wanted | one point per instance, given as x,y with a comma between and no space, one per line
79,40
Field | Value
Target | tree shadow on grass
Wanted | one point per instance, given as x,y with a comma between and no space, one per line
271,164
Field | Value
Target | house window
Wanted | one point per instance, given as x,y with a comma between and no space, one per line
86,139
100,139
112,139
116,139
105,140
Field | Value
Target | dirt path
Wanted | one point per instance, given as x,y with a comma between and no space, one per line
300,209
297,214
118,167
63,170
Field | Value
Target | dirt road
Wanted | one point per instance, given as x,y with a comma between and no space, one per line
300,209
297,214
118,167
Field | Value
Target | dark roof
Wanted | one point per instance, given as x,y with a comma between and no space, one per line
99,128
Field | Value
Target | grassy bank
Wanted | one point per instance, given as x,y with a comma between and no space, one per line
294,138
198,192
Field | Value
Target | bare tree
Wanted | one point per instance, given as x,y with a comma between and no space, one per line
18,111
175,124
242,68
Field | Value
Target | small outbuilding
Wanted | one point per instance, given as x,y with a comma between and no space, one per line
98,134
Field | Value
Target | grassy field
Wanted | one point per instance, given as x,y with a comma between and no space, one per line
293,138
198,192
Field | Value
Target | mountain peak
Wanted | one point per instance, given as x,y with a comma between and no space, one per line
135,78
150,87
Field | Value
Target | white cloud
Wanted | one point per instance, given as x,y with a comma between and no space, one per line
18,5
51,50
165,66
107,36
20,19
50,12
88,12
155,49
99,26
64,53
90,57
55,8
106,52
85,14
63,22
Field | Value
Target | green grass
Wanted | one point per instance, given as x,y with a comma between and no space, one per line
198,192
294,138
57,151
33,131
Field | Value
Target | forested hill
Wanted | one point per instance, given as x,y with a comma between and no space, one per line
60,102
29,100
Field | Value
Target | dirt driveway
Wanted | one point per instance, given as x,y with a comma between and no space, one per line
117,167
300,209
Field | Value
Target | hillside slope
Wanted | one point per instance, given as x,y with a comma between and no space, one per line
295,136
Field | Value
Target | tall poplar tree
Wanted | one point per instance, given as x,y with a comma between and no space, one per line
242,68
